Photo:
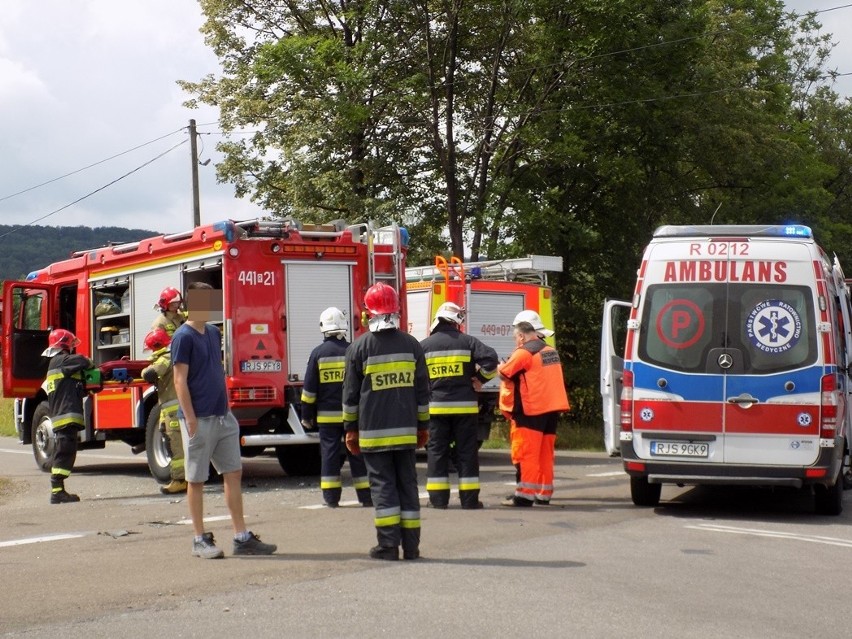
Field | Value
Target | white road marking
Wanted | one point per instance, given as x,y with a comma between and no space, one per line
756,532
37,540
29,451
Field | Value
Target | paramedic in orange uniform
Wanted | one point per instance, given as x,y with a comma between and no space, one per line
535,372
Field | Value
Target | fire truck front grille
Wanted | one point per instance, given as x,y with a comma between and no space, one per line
253,394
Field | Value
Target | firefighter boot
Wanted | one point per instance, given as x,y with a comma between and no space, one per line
388,553
173,487
63,497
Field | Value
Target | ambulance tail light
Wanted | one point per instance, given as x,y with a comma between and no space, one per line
627,401
828,406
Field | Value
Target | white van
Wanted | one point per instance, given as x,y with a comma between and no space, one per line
736,362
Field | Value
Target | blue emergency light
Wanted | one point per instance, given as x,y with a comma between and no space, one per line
735,230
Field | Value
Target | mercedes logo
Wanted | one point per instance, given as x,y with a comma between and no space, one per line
725,361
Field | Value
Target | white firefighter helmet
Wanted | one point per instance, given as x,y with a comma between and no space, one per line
449,312
533,318
333,321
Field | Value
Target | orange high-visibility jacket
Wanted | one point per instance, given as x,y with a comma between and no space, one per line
537,372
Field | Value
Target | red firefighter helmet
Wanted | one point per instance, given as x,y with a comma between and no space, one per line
381,299
157,339
169,295
60,339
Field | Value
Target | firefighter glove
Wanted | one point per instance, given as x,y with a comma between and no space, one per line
307,424
150,375
352,442
422,438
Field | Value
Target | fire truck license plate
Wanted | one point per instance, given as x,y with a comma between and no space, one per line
680,449
261,366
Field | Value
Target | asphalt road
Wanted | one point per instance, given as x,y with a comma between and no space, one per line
706,563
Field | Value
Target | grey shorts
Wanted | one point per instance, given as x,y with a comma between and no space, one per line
216,441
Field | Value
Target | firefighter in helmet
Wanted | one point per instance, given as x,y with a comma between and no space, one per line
171,316
386,415
160,373
65,388
458,366
321,406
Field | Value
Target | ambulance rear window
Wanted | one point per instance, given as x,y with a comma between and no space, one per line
770,327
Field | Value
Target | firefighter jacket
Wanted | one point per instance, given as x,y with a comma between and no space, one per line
161,367
65,388
168,321
323,390
536,371
386,391
454,359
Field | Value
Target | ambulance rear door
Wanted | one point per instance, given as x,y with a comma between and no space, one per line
772,389
613,329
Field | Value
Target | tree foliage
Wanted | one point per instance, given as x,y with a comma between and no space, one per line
497,128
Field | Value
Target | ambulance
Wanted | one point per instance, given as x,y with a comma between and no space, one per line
732,367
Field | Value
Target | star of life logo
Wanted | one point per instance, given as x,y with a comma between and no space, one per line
773,326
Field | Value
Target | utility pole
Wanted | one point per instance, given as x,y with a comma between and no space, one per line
193,149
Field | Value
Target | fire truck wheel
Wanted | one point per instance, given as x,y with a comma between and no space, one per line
44,443
157,447
643,492
299,459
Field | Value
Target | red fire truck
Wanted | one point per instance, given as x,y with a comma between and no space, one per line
492,294
275,278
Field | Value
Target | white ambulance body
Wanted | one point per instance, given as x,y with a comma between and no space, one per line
736,364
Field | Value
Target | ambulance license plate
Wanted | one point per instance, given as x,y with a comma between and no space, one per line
680,449
261,366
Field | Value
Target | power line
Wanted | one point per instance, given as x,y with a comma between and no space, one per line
117,155
80,199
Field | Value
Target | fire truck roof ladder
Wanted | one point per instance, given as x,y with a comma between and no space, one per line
532,268
385,235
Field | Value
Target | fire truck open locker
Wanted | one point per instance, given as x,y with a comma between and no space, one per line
492,294
275,277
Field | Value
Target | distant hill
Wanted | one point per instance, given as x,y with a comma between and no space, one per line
34,247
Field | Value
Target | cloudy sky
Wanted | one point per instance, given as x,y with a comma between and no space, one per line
82,81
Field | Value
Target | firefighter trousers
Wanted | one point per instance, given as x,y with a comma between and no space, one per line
536,451
443,431
393,485
172,423
64,457
332,451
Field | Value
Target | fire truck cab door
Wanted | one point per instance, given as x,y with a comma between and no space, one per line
27,313
613,331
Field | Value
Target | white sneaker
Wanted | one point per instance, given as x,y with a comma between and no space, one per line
206,548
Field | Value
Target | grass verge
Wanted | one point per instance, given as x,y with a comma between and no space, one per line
569,436
7,422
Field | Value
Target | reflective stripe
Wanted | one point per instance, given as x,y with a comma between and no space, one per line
454,408
330,482
469,483
368,442
360,482
350,413
60,471
329,417
488,374
387,517
177,463
169,406
308,398
66,418
410,518
437,483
